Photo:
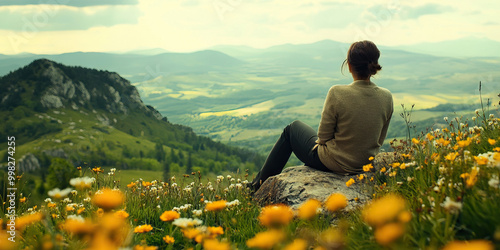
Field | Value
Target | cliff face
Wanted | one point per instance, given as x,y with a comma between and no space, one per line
70,87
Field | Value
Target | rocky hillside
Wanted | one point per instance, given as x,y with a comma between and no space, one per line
98,118
49,85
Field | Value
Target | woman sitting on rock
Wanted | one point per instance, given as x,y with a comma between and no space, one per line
353,123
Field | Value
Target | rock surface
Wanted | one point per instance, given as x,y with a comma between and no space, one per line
297,184
27,163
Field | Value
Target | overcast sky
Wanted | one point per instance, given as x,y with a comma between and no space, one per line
59,26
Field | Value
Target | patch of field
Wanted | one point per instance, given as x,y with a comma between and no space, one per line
254,109
255,134
429,101
127,176
311,107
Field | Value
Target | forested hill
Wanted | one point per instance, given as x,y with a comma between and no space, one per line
97,118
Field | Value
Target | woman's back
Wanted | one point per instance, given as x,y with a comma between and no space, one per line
354,123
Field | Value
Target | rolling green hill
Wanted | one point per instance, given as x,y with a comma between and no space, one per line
92,118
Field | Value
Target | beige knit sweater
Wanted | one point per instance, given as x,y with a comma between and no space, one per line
353,125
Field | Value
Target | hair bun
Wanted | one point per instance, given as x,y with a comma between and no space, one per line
374,67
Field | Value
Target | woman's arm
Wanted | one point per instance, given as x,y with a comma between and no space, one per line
383,133
328,121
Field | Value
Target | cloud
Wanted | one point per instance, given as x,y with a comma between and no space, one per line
51,17
411,12
428,9
338,16
74,3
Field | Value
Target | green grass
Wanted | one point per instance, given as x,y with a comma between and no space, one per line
443,200
128,176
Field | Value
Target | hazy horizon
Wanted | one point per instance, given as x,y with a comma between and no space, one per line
62,26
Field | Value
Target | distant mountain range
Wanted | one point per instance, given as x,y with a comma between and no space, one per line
229,92
131,64
461,48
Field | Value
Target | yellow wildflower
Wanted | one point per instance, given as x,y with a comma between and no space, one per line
388,233
169,216
214,244
383,210
492,141
22,200
382,170
5,243
80,210
273,215
139,247
429,137
464,143
335,202
367,167
216,205
214,231
168,239
108,199
472,178
297,244
191,233
99,212
25,220
146,184
70,208
131,185
309,209
442,142
496,149
349,182
121,214
395,164
266,240
371,158
402,166
404,216
51,205
97,170
451,156
78,226
415,141
473,244
480,160
143,228
361,177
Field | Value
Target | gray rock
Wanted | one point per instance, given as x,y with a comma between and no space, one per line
296,185
28,162
56,152
51,101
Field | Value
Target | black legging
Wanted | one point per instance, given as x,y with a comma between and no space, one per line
298,138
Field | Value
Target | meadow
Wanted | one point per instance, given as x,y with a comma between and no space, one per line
441,193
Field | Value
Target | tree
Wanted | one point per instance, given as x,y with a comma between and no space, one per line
189,167
173,156
166,171
159,152
60,172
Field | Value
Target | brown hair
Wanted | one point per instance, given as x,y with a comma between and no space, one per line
363,58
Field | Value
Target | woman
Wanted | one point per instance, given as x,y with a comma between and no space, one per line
353,124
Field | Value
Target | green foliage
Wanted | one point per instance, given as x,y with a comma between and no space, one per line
60,172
